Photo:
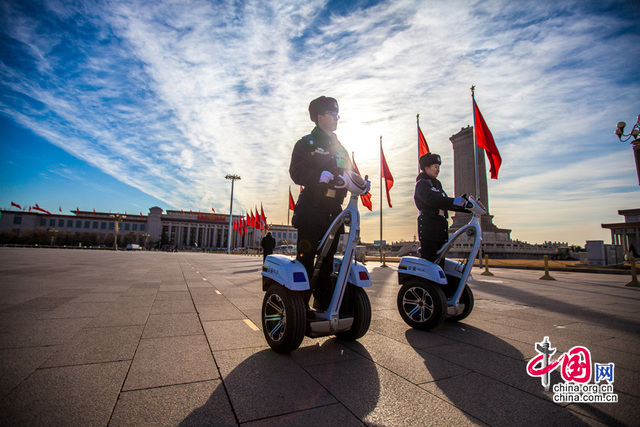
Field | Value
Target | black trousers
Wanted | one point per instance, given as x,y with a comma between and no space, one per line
308,241
433,233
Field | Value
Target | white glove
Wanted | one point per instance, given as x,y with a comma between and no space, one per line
367,186
459,201
325,177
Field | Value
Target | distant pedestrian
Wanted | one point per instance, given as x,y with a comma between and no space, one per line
267,243
433,204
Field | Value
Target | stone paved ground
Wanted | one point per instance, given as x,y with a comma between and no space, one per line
149,338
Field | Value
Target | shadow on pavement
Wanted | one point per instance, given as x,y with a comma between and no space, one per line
320,384
496,389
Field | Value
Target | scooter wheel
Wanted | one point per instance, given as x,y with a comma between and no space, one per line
356,303
467,299
284,318
422,305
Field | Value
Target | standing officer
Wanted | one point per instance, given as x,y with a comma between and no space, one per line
316,160
267,243
433,203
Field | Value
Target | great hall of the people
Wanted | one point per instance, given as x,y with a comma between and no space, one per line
177,229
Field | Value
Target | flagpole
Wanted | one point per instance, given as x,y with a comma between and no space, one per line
418,125
381,169
475,142
288,205
475,162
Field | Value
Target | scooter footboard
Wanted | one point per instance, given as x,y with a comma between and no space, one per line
286,271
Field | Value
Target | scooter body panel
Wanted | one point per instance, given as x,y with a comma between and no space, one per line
358,274
287,271
454,268
419,267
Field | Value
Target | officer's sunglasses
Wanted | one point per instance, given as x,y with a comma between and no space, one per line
334,114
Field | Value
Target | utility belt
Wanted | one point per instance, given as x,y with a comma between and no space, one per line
432,213
325,192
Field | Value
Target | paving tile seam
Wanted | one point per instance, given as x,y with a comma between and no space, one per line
126,375
70,365
204,332
474,373
300,411
337,399
166,386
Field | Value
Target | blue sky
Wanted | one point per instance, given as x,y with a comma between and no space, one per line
123,105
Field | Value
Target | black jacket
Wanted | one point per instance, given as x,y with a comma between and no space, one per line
430,197
312,155
433,203
268,243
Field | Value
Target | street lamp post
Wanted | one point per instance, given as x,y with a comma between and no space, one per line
635,131
233,179
117,218
146,238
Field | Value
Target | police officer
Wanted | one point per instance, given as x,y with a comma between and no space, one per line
317,159
267,243
433,203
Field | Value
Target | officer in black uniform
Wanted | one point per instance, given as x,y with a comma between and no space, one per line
433,203
267,243
317,159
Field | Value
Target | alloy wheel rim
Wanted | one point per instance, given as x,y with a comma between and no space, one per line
275,317
417,304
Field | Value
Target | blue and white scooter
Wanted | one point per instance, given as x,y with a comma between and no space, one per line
285,320
430,294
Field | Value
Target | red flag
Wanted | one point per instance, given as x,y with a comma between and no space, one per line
423,148
182,210
60,208
263,220
484,139
77,210
292,204
386,174
141,215
38,208
16,205
366,199
214,211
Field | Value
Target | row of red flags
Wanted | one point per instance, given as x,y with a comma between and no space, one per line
249,220
38,208
35,208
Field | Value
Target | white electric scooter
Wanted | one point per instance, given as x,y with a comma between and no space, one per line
285,320
430,294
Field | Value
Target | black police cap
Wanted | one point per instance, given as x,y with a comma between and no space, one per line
322,105
429,159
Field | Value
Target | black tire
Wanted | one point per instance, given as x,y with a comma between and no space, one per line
467,299
422,305
356,303
284,318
